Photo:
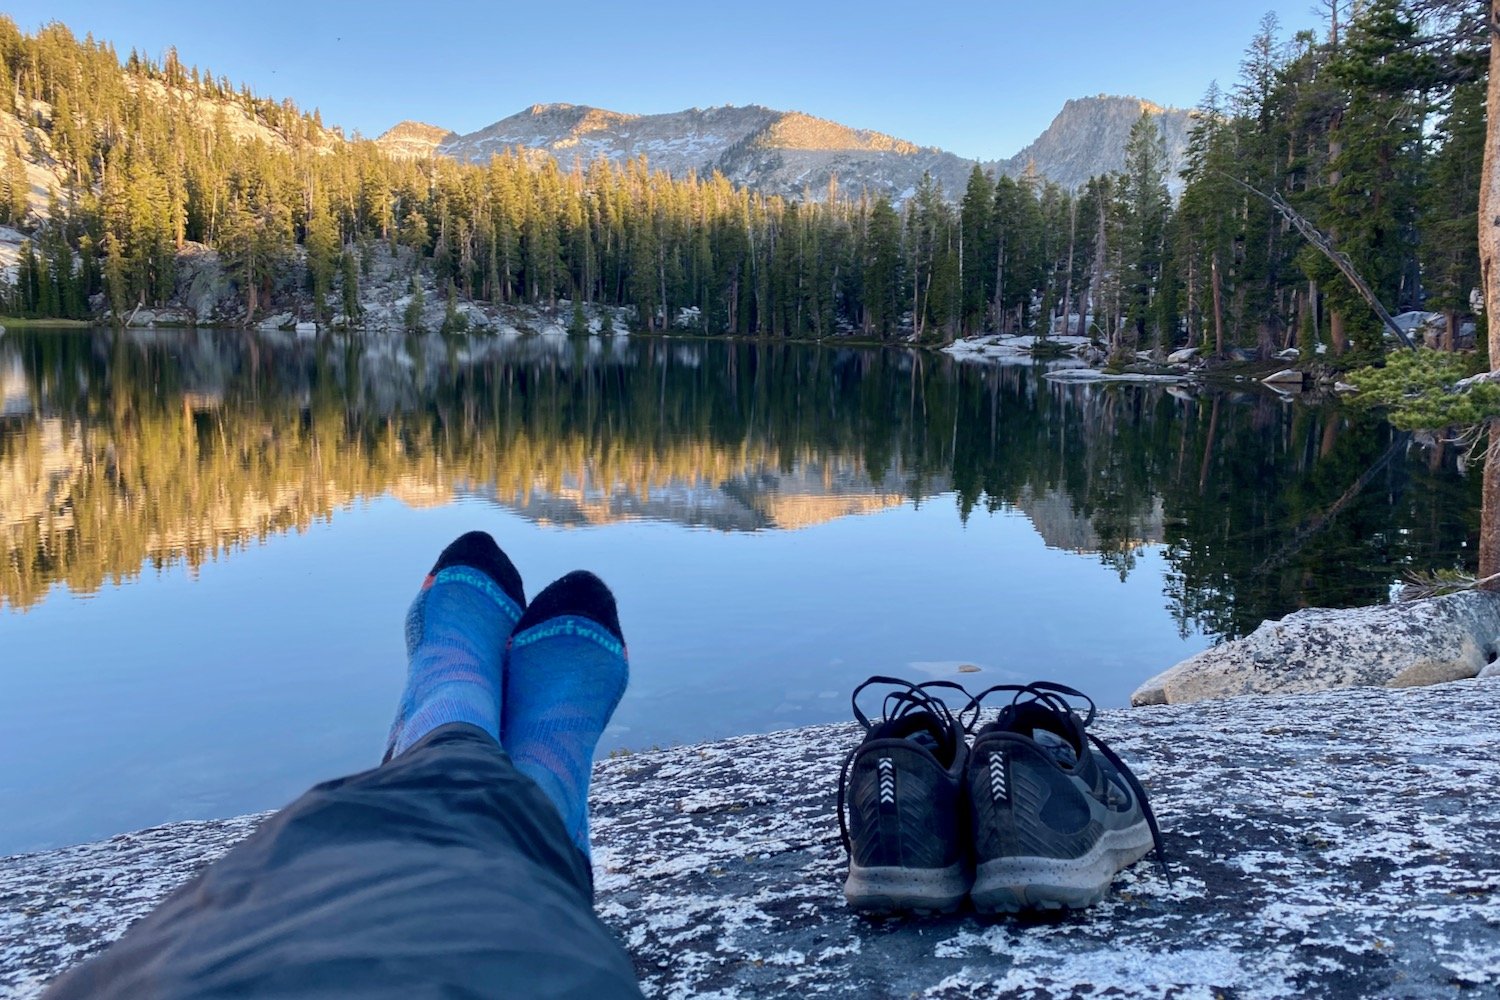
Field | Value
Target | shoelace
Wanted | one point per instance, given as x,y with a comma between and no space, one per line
907,699
1054,697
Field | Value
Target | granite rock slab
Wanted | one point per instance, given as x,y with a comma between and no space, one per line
1338,844
1404,644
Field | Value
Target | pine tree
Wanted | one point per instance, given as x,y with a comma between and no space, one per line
578,326
976,228
17,188
412,316
882,270
1450,206
323,253
1144,203
353,311
1372,204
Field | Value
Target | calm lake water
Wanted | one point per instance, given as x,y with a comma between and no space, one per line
211,538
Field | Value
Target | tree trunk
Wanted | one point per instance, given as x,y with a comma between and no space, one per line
1317,320
999,307
1068,282
1192,299
1337,340
1489,196
1489,512
1218,307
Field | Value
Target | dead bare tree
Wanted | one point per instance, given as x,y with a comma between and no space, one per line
1340,260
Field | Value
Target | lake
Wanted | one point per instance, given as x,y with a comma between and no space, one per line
211,537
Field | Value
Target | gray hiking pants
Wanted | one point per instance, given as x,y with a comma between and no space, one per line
445,873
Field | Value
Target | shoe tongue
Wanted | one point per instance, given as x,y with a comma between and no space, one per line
1058,734
921,728
1058,748
926,739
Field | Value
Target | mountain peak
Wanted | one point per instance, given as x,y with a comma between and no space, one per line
413,139
1087,138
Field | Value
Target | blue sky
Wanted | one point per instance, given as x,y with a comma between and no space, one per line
978,78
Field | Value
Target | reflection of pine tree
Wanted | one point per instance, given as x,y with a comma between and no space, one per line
233,466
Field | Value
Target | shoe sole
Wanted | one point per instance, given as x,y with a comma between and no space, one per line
906,890
1020,884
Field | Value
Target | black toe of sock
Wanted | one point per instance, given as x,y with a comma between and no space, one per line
478,549
579,593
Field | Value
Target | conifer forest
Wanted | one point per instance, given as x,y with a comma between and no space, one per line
1372,130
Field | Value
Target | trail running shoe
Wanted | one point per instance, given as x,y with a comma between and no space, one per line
902,787
1054,813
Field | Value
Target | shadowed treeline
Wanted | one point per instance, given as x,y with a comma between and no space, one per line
125,450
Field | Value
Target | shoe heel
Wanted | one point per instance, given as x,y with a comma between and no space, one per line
907,890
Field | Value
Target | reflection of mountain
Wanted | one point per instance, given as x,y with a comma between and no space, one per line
120,451
1062,526
813,492
15,393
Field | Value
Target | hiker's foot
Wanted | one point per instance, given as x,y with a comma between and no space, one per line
564,674
455,637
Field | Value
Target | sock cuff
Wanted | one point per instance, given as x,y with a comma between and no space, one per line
574,625
482,581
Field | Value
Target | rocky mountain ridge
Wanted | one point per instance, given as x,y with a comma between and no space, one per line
1087,138
794,154
414,140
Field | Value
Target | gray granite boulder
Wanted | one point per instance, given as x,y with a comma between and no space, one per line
1287,376
1333,845
1406,644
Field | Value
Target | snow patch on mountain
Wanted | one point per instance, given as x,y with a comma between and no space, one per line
798,155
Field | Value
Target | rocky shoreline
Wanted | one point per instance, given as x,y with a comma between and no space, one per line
1401,644
1336,844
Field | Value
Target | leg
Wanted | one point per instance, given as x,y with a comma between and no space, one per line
444,871
565,672
447,870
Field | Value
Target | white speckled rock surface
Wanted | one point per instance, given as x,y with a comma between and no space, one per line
1341,844
1406,644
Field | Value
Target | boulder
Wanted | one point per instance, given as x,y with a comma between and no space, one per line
1392,645
1183,356
1287,376
202,286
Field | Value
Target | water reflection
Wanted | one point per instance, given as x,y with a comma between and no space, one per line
121,451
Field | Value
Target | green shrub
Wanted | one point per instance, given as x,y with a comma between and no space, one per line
1419,389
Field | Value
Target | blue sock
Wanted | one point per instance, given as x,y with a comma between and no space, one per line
455,637
565,673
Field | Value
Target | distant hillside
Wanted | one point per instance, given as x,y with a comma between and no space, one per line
1087,138
790,153
145,192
